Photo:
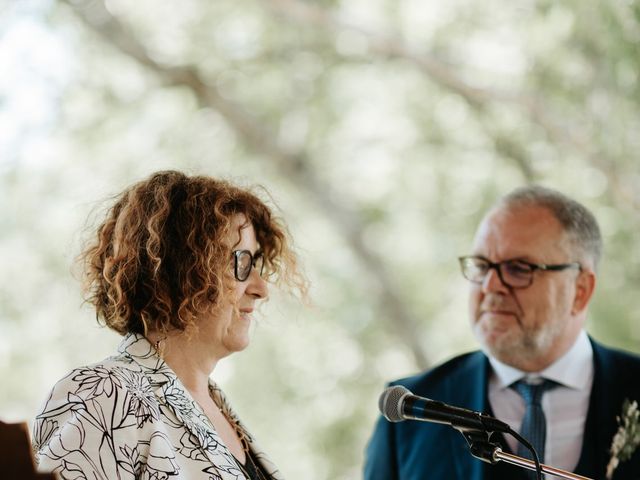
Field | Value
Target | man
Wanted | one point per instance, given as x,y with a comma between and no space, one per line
533,273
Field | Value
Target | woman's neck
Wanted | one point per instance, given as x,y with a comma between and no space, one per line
191,360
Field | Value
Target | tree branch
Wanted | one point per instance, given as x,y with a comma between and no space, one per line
295,166
478,98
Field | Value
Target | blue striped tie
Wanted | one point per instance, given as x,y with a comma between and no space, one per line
534,428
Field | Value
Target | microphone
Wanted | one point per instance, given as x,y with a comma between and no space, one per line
397,404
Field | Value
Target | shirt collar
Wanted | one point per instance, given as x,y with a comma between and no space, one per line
135,348
574,369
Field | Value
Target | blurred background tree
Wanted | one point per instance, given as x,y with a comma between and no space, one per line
382,128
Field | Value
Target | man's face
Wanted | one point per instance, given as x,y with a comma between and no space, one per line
527,328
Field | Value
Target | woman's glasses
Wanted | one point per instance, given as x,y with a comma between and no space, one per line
244,261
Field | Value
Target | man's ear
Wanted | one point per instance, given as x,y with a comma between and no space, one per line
585,286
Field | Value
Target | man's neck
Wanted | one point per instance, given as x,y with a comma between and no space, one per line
567,369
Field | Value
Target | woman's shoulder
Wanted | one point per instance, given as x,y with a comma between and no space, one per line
97,373
113,389
134,366
100,411
104,383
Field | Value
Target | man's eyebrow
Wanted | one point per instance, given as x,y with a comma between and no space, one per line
517,258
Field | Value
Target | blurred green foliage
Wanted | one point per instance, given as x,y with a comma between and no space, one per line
383,129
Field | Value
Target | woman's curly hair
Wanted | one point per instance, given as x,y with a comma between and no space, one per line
162,257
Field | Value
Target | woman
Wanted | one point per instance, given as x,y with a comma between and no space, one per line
177,268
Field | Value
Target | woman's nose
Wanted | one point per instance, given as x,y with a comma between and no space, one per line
257,286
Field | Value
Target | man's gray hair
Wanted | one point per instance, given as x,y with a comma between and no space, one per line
578,222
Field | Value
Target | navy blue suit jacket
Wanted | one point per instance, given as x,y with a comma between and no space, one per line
413,450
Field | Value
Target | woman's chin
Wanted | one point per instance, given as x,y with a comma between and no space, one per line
239,346
238,341
237,335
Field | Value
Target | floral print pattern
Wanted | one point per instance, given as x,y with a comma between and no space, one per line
129,417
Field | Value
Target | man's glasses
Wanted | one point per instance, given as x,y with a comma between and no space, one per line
244,261
512,273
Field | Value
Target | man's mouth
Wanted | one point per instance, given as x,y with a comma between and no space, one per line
498,312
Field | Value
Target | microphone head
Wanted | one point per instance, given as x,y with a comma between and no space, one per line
391,402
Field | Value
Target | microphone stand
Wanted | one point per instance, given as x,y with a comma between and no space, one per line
486,451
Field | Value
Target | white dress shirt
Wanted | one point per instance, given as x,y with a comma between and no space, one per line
565,406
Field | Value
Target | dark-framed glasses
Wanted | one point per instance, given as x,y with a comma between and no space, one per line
512,273
244,261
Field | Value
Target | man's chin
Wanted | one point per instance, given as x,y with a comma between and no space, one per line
510,350
499,342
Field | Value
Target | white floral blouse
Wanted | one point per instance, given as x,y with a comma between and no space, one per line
129,417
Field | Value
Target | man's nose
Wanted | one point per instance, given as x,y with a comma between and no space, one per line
492,282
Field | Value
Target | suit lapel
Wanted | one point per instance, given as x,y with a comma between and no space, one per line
599,426
468,388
